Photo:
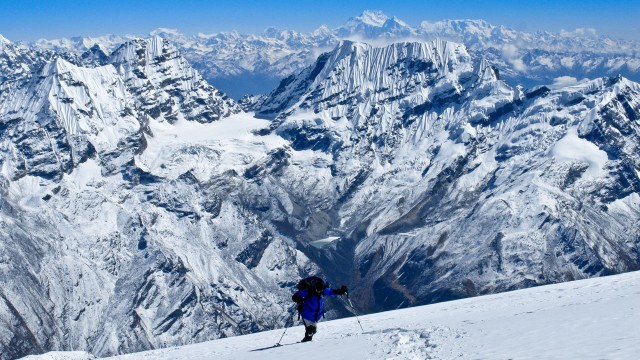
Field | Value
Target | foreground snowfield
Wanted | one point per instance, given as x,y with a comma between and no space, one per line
588,319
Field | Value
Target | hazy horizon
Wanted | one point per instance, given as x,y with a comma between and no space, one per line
31,20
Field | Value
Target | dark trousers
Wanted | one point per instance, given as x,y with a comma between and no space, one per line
310,328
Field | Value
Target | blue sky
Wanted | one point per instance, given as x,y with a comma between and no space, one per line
27,20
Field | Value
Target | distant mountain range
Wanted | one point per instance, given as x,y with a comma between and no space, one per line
242,64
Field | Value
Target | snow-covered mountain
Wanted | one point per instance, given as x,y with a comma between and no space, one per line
117,231
443,181
141,208
241,64
102,109
588,319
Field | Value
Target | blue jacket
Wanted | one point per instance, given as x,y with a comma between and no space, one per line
312,305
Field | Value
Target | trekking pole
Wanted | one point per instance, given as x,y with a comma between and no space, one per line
354,312
285,331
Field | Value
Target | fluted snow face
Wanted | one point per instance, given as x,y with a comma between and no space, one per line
358,68
87,101
366,96
80,111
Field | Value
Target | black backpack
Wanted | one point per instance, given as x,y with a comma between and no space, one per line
311,282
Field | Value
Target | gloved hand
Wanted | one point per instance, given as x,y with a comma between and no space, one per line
341,291
297,298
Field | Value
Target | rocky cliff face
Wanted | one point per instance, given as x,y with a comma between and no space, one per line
167,86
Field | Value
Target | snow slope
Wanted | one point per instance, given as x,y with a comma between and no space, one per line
586,319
